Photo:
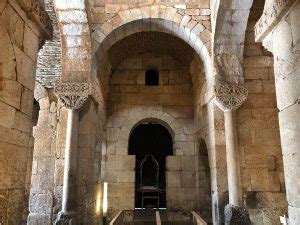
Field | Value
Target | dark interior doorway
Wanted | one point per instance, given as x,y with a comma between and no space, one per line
155,139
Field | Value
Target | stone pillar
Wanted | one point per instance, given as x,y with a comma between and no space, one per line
42,183
229,98
73,96
279,30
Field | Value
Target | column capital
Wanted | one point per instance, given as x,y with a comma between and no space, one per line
230,96
73,95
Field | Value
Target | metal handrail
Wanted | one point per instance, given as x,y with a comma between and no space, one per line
198,219
157,216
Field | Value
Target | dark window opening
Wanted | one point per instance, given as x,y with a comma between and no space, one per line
152,78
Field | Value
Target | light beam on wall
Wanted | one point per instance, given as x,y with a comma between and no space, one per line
105,189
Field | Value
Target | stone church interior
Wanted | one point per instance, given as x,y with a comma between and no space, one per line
167,112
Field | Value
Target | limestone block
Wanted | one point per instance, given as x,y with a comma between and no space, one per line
260,101
126,177
172,194
188,163
187,179
25,69
252,73
30,43
173,179
294,215
173,163
14,24
259,179
14,137
27,101
22,122
290,129
8,68
295,23
3,4
192,12
7,115
14,208
268,86
6,54
13,162
292,173
287,87
274,182
10,93
266,137
254,86
259,153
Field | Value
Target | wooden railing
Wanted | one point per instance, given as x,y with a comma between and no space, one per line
157,216
118,220
197,219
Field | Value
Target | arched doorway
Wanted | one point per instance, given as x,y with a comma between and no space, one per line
155,140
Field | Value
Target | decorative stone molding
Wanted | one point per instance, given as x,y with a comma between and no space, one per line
73,95
236,215
230,96
273,12
36,12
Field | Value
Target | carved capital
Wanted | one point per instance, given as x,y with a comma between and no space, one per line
230,97
73,95
36,12
274,11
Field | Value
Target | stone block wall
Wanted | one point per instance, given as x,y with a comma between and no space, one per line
171,104
48,69
89,183
258,130
19,41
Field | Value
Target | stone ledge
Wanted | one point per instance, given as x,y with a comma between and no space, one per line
35,12
275,10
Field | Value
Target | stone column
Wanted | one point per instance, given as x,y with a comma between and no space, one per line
73,96
279,30
229,98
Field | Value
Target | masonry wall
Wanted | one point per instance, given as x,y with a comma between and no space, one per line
19,41
258,132
173,98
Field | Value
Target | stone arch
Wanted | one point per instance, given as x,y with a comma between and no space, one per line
169,122
75,37
155,18
229,27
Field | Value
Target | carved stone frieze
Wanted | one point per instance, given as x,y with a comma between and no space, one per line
73,95
273,12
230,97
36,12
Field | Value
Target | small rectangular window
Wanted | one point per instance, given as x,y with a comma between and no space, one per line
151,78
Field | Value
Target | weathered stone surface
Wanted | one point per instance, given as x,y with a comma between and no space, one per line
7,115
